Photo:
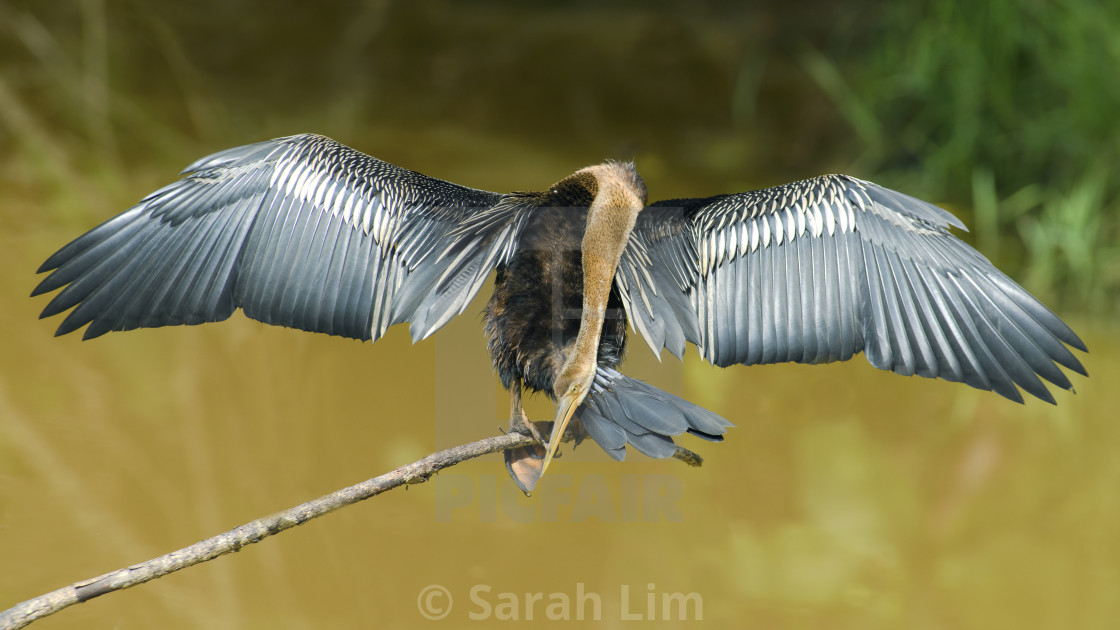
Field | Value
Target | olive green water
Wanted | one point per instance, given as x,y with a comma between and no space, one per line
844,498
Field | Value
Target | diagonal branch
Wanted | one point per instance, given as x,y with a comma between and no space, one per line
417,472
249,533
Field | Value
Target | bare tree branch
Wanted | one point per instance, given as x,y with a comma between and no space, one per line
417,472
249,533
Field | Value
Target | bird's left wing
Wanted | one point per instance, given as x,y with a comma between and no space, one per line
819,270
301,232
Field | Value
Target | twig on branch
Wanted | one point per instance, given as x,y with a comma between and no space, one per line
417,472
689,457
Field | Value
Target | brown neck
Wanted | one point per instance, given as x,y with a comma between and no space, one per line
619,197
609,223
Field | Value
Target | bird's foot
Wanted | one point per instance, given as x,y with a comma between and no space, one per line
536,430
526,463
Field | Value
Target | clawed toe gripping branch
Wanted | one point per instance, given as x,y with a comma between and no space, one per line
417,472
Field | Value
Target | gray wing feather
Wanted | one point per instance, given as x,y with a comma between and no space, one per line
301,232
820,270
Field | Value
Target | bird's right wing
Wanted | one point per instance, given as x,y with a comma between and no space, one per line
819,270
301,232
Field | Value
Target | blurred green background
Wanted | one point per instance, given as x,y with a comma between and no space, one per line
845,498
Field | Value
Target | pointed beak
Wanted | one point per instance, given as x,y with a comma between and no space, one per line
565,409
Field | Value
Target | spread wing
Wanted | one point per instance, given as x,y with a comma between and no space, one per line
299,231
819,270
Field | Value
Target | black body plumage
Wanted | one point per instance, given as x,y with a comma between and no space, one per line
533,317
307,233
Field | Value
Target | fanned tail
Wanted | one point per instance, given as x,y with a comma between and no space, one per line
621,410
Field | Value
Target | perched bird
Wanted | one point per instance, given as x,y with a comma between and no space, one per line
307,233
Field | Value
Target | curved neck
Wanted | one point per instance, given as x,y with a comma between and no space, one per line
619,197
609,223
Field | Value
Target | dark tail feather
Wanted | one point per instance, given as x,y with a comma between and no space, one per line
621,410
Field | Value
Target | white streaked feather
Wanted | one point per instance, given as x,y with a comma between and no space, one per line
355,209
311,185
363,213
334,196
300,179
370,207
283,174
382,213
321,186
340,203
862,200
644,270
645,299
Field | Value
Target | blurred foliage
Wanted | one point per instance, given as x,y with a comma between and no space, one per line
707,93
1007,106
1001,109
